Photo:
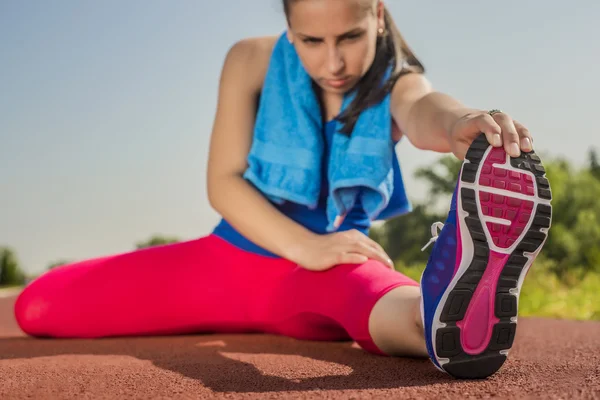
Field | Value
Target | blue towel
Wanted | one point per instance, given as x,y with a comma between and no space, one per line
286,155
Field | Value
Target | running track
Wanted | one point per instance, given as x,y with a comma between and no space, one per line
551,359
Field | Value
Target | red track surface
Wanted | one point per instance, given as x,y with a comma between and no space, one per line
550,360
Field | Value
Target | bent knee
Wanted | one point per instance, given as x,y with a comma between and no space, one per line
28,310
47,306
32,311
39,308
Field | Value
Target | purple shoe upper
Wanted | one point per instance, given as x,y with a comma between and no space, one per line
439,272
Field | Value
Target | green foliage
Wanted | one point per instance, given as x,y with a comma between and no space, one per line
58,263
594,164
10,272
441,176
574,238
574,296
564,281
544,294
404,236
156,240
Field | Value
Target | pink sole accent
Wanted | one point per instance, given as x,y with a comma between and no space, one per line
503,178
515,211
478,324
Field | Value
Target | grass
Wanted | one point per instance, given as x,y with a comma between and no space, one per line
544,294
10,286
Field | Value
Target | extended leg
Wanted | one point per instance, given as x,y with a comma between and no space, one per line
194,286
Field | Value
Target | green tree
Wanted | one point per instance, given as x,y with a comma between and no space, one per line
403,237
156,240
594,164
10,272
574,238
441,177
58,263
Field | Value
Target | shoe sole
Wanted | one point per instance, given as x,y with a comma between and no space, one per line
504,214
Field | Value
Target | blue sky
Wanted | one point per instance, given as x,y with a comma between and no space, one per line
106,107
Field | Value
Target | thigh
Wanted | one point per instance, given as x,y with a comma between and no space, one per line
332,304
176,288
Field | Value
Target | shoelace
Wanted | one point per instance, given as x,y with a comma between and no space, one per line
434,233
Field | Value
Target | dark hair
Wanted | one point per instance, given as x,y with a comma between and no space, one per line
392,51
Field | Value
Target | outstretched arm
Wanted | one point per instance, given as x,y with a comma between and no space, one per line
438,122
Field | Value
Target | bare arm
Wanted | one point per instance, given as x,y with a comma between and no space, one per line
424,115
436,121
238,201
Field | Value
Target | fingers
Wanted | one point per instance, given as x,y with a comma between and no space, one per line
351,258
500,130
492,130
354,242
372,252
509,134
383,256
381,251
526,141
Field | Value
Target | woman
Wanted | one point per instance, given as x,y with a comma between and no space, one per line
276,267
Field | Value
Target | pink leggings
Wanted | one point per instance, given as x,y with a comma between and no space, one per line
204,285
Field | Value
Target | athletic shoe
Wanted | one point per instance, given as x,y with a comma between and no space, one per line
499,219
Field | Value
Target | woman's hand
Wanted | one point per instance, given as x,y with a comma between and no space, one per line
322,252
499,128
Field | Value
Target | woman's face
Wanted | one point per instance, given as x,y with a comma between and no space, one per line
335,39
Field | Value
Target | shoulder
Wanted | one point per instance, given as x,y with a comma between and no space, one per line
410,87
407,91
249,58
255,49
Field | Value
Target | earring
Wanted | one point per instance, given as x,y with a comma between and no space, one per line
381,31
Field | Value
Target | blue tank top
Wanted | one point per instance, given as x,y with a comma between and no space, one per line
315,220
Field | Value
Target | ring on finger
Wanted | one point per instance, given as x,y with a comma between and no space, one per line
494,111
